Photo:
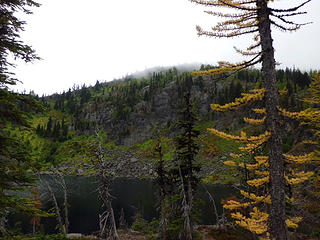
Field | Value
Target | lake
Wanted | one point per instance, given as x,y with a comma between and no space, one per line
131,195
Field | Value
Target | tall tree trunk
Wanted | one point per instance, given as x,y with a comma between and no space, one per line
63,184
277,227
33,226
108,228
56,206
162,193
66,215
122,222
113,228
163,220
186,234
190,205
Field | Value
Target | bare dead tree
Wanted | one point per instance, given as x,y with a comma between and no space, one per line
107,222
186,209
221,220
213,204
55,203
63,185
122,221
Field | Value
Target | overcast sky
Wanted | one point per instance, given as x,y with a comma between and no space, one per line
85,41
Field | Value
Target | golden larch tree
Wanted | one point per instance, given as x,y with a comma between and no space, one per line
256,17
310,118
256,167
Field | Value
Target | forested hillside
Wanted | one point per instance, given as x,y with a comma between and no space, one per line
130,110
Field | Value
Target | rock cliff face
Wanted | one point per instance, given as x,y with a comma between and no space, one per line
161,110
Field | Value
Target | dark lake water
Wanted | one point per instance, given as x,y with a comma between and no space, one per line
131,195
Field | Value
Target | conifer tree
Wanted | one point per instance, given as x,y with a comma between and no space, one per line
256,17
310,118
10,43
186,151
256,167
14,157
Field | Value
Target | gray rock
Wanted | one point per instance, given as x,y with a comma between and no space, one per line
133,160
74,235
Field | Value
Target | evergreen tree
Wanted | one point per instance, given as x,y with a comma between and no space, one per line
186,174
49,127
14,156
10,39
38,130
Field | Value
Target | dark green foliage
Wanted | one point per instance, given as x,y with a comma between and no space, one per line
15,161
85,95
49,126
184,175
10,39
207,67
249,75
174,227
184,84
139,224
59,103
97,86
235,90
71,105
199,82
54,129
186,143
82,125
230,92
287,143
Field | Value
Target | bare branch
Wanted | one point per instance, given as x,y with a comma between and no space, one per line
290,22
290,9
281,27
289,14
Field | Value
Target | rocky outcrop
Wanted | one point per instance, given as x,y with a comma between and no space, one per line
124,164
161,110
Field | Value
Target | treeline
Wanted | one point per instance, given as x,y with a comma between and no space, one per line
123,95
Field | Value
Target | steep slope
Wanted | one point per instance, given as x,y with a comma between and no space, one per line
127,111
